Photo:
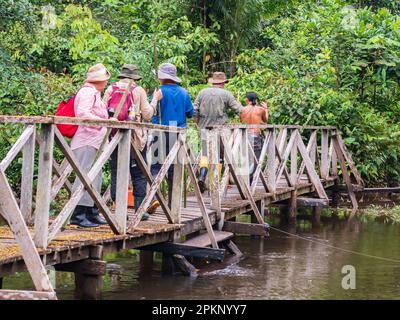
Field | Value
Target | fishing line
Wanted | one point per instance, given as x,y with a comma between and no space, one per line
334,247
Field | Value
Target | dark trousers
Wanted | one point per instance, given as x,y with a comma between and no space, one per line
257,143
139,181
167,142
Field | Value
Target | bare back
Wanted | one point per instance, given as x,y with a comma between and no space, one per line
254,115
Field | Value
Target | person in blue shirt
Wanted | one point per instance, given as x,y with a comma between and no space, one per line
174,107
176,104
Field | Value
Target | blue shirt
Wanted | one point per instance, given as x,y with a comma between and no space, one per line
176,106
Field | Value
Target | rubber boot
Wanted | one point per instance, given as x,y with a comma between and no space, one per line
138,202
153,207
79,218
202,179
93,215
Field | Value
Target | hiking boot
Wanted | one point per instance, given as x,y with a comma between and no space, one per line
93,215
202,179
153,207
79,218
138,202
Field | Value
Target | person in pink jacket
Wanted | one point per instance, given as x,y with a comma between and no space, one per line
87,140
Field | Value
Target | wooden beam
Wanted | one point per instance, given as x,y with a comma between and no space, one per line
17,147
146,171
154,187
26,295
233,248
213,163
253,229
123,173
177,184
186,250
244,154
285,157
324,154
349,159
185,267
259,170
243,187
44,185
271,168
10,211
87,180
312,202
200,201
260,173
310,144
28,166
225,177
87,122
345,173
311,169
58,182
86,266
77,195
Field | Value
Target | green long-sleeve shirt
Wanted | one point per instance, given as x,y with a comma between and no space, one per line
211,106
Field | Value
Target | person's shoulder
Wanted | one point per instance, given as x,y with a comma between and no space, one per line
86,90
138,90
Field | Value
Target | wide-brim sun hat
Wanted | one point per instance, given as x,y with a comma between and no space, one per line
98,73
218,78
167,71
130,71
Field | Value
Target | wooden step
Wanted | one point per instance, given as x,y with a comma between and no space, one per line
204,239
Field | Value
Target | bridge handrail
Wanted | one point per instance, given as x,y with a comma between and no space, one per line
282,144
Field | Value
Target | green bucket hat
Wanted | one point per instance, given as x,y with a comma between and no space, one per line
130,71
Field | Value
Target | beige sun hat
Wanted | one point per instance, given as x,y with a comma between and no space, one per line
217,78
97,73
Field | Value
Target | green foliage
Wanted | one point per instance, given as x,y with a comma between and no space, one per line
326,62
385,214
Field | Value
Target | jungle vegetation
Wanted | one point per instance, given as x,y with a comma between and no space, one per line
319,62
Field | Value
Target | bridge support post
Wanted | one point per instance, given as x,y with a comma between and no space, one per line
261,208
88,287
1,283
293,207
167,264
316,217
88,277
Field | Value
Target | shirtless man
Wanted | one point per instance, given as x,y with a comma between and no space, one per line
254,114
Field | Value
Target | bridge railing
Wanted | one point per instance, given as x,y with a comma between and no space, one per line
288,157
313,150
28,204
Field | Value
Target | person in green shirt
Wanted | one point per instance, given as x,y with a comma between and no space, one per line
211,109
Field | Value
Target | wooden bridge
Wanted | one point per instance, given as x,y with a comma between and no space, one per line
296,166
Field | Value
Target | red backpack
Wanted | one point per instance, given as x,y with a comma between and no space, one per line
67,109
115,99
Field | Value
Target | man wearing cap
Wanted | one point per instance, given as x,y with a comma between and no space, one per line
136,108
175,107
211,109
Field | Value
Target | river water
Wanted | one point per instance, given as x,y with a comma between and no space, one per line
278,267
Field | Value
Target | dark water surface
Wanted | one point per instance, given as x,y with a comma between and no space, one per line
278,267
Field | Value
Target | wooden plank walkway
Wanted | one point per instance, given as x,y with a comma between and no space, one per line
74,243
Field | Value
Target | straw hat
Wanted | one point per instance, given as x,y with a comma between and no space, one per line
218,77
97,73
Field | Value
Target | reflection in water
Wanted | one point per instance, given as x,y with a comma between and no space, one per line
278,267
